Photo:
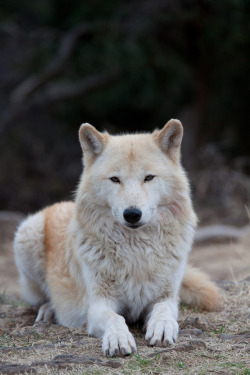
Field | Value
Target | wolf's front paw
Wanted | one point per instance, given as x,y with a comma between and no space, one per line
45,313
117,340
162,331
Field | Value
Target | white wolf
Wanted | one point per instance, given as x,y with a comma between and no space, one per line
120,251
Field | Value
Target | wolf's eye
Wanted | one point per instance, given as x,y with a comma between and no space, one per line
115,179
149,178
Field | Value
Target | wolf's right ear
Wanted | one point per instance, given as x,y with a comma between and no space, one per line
92,142
169,139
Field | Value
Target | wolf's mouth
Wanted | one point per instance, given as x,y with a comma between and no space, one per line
134,226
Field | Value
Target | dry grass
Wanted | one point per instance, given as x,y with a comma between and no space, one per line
209,343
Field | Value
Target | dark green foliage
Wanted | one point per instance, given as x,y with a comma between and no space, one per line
170,56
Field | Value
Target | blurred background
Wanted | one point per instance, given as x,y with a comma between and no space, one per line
125,66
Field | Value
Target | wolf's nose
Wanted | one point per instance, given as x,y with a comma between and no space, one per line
132,215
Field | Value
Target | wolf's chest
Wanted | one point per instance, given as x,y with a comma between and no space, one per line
132,273
134,296
145,277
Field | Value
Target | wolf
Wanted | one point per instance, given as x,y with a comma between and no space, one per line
118,254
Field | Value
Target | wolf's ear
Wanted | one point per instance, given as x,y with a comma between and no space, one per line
169,138
92,142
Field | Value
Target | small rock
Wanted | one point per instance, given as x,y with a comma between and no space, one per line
68,358
23,331
225,284
13,369
244,333
43,327
183,347
243,337
190,331
113,364
196,323
238,346
197,343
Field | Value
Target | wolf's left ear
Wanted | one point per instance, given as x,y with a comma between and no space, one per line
92,142
169,138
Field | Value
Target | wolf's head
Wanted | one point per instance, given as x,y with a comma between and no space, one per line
137,179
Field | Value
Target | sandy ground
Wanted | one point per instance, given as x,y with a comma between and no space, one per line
209,343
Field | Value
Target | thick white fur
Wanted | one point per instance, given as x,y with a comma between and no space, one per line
110,272
30,259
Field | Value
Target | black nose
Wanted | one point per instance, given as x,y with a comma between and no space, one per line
132,215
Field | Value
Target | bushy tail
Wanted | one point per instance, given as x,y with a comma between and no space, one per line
197,290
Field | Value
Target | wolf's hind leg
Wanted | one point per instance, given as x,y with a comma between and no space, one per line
29,249
46,313
31,290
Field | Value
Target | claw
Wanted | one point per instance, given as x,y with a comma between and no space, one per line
144,328
123,351
157,343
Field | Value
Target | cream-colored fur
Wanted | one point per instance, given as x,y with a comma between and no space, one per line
91,263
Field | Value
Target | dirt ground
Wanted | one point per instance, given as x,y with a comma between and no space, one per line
208,343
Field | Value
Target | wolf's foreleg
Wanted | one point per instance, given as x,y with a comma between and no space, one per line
162,327
104,322
161,319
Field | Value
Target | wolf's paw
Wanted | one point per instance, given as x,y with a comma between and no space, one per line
162,331
117,340
45,313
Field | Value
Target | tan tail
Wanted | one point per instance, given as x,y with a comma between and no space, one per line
198,291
